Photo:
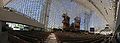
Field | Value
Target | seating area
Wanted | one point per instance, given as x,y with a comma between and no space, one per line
27,37
62,37
71,37
13,39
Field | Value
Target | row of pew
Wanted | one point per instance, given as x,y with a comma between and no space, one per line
70,37
28,37
62,37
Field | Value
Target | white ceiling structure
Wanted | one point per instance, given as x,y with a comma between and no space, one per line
103,8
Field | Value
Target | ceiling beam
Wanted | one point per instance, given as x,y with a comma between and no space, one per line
92,7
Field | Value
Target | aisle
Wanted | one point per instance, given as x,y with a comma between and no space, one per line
51,38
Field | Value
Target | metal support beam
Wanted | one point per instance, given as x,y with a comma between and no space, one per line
45,13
